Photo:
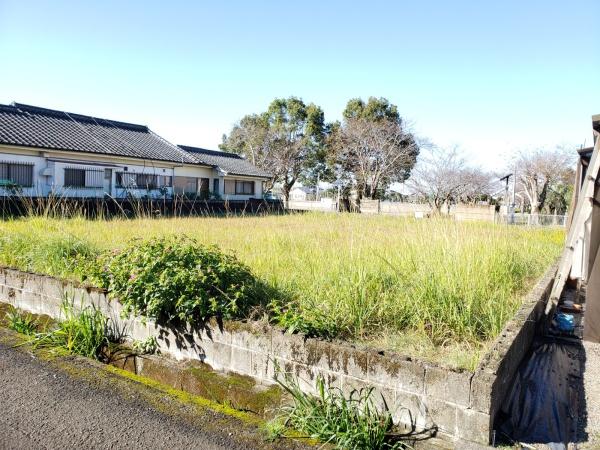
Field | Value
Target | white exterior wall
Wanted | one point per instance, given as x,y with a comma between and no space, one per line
212,174
40,186
49,174
258,188
120,192
197,172
60,190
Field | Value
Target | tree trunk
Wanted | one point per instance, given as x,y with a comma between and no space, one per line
436,207
286,188
535,213
286,195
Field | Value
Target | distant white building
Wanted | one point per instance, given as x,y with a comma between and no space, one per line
302,193
47,152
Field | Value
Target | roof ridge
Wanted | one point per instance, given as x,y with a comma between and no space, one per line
38,127
10,108
206,151
183,153
21,107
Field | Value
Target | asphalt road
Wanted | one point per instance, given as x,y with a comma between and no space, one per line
75,403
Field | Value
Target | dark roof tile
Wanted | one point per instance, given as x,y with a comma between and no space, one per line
32,126
231,163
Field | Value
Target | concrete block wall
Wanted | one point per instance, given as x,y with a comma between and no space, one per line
424,397
404,209
458,212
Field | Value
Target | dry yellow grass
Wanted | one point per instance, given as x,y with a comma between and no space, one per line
434,288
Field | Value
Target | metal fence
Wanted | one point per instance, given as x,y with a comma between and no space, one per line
533,220
458,212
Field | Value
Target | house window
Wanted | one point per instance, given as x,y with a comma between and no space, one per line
239,187
230,187
146,181
185,185
84,178
216,186
17,173
142,180
244,187
165,181
126,180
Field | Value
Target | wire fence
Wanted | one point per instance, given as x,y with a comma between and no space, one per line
533,220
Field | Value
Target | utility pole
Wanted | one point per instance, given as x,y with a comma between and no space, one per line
513,207
506,196
318,178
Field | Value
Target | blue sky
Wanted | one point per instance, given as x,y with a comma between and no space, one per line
490,76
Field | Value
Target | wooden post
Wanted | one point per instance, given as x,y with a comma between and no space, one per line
577,232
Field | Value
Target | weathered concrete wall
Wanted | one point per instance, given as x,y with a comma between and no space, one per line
458,212
404,209
325,204
473,212
459,406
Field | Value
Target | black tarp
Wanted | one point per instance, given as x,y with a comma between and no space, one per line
542,406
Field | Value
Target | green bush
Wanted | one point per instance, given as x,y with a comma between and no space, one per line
175,279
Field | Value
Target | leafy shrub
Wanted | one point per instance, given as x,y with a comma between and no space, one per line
148,346
176,279
292,321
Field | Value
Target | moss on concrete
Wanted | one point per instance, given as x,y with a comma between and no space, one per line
239,391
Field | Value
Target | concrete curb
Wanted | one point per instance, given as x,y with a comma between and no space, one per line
458,406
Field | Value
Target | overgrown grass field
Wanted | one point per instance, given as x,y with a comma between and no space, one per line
434,288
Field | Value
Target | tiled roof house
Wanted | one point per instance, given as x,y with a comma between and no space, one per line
49,152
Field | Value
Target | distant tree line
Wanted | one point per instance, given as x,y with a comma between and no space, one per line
370,149
373,148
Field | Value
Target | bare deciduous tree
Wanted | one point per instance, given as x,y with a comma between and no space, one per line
542,170
442,176
376,153
479,184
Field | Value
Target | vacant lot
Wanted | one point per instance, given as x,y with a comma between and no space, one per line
434,288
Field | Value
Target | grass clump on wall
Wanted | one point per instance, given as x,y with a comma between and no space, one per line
82,332
350,422
21,322
434,287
